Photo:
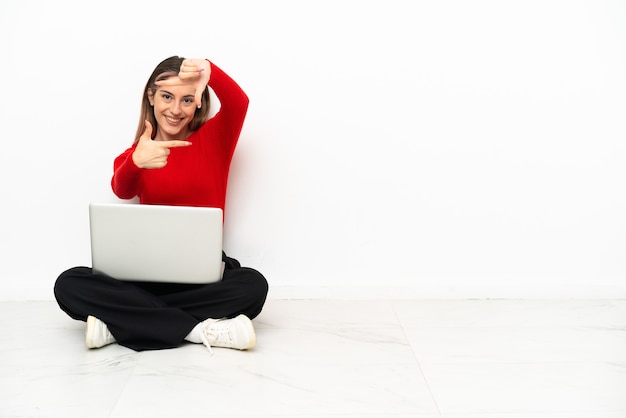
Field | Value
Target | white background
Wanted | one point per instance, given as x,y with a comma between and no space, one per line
410,148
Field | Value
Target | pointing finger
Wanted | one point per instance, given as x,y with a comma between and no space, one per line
175,144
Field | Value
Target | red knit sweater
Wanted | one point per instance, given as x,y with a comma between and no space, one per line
196,175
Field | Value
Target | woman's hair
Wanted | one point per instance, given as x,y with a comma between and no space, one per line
169,67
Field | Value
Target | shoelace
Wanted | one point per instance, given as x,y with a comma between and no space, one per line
219,335
205,341
205,333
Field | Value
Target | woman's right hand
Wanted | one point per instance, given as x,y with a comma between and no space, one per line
153,154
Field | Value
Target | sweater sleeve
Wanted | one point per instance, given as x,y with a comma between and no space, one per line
126,180
233,107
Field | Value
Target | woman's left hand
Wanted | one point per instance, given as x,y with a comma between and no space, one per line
196,71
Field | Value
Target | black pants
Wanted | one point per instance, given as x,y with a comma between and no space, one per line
150,316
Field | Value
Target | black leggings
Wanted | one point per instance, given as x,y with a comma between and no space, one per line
150,316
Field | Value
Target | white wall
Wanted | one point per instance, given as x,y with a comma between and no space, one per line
414,148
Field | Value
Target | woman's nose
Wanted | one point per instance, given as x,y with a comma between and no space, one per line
176,107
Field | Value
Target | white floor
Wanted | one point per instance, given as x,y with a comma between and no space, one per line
334,358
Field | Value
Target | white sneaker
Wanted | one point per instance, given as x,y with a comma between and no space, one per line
236,333
97,333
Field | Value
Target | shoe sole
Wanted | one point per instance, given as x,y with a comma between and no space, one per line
89,331
248,324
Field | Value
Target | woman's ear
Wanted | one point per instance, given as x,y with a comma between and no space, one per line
151,96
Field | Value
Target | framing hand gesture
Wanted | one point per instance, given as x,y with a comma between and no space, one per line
153,154
195,71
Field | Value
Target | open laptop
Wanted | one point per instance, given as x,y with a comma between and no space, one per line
174,244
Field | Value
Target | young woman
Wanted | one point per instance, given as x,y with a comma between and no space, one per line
180,157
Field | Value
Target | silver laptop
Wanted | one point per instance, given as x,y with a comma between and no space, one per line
174,244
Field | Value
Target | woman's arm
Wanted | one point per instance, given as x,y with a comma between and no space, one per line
233,100
126,175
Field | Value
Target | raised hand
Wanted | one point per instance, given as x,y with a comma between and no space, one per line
195,71
153,154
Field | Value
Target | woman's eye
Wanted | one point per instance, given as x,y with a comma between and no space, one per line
188,100
166,97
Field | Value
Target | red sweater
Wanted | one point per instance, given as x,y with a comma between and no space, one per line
196,175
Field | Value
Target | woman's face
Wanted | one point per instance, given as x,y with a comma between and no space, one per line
174,109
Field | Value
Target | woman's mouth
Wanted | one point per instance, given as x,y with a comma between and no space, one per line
173,121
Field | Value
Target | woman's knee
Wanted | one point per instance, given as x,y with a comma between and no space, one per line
66,288
253,288
257,281
257,291
69,276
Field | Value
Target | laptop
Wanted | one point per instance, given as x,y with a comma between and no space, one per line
155,243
